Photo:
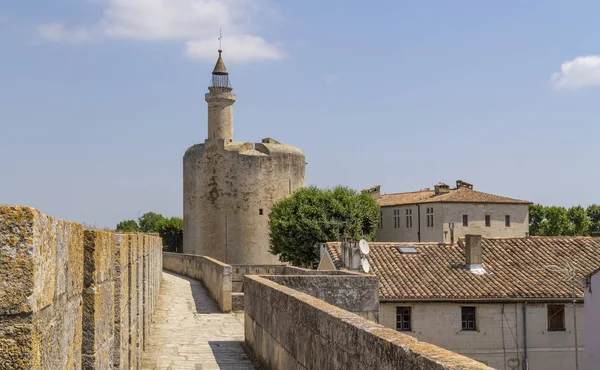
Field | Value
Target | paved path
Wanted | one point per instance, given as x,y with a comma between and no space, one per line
189,333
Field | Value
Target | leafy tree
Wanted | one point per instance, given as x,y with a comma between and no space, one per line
593,213
537,215
580,223
171,232
149,222
556,222
128,226
312,215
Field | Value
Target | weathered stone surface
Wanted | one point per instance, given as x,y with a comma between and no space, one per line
288,329
358,294
213,274
18,341
47,319
190,332
229,189
98,300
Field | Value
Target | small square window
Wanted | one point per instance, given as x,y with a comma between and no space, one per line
403,318
465,220
556,317
488,221
468,318
507,220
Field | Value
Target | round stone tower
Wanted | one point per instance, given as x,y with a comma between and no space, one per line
229,187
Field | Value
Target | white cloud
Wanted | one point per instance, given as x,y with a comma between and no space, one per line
195,22
58,32
241,48
577,73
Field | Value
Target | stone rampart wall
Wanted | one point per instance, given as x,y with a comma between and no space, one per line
358,294
213,274
288,329
72,298
239,271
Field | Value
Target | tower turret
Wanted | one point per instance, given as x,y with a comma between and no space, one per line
220,104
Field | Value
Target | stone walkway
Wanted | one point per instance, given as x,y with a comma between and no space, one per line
190,333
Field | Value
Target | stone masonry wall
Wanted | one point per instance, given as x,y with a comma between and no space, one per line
288,329
70,298
358,294
213,274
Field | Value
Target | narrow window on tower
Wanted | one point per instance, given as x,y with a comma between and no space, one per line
260,211
488,221
507,220
465,220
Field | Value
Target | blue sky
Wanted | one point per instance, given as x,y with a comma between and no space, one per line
99,99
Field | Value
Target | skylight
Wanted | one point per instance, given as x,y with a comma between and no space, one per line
407,250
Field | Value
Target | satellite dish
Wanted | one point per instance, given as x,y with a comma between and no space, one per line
365,265
364,246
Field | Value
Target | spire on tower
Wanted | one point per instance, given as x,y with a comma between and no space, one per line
220,68
220,75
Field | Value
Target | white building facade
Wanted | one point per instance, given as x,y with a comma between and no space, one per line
444,215
496,300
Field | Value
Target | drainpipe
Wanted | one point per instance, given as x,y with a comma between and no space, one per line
419,222
525,361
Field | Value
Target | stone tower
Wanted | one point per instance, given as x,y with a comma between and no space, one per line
229,187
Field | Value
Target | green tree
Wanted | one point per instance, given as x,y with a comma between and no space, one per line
556,222
312,215
537,215
171,232
149,222
580,223
593,213
128,226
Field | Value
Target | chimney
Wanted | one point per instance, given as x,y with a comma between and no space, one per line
351,255
474,254
441,188
463,184
374,192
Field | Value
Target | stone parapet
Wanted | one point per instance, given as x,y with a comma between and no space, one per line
66,294
288,329
213,274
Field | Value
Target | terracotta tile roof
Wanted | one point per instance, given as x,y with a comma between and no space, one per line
515,268
333,248
460,195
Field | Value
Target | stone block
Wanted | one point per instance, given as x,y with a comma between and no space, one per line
101,359
98,317
18,341
59,328
41,278
16,263
98,256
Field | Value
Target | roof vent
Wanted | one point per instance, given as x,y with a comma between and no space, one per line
407,250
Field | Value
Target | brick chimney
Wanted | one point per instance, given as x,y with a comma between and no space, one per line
474,254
